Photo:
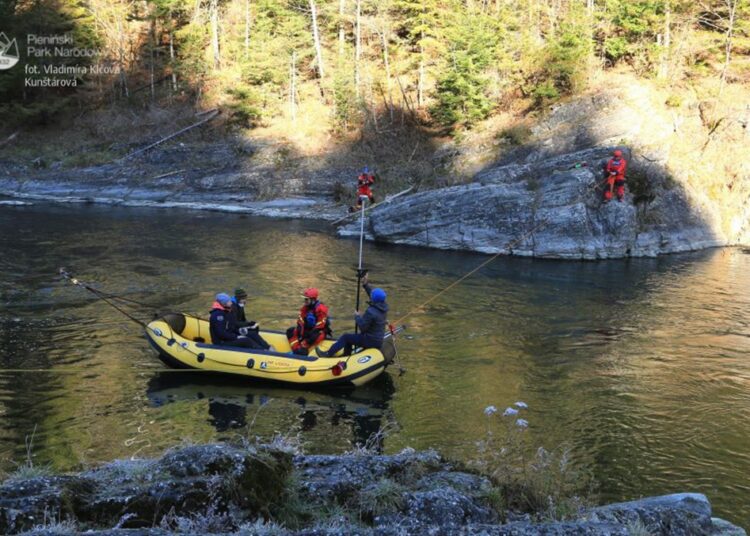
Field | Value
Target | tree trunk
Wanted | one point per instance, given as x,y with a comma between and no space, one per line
420,82
247,27
590,23
171,59
342,7
121,59
732,5
387,65
316,38
666,41
215,32
153,57
357,47
293,87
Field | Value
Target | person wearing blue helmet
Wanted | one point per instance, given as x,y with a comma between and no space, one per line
371,325
224,329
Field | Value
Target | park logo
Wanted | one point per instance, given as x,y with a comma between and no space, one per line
8,52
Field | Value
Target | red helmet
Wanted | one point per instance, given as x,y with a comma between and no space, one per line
617,153
311,293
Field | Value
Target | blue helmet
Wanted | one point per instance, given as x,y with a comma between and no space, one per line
378,295
365,170
223,298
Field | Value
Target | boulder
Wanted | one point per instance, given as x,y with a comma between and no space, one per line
550,208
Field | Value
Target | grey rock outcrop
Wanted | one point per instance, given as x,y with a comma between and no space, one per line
550,208
210,176
221,489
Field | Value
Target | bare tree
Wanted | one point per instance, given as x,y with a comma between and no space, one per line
665,40
293,87
721,17
316,39
732,7
357,45
342,8
214,13
171,59
247,27
111,19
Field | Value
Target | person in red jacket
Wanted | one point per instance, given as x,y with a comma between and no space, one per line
312,324
364,182
615,170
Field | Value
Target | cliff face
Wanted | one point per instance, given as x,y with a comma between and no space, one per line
688,187
549,208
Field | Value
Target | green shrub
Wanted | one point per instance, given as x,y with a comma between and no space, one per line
545,92
461,90
615,48
516,134
345,103
674,101
243,108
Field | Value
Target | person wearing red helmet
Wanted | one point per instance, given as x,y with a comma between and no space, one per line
312,324
364,182
615,170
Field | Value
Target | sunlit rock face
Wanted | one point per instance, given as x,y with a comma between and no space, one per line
549,208
688,185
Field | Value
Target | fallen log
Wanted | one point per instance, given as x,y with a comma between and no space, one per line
171,136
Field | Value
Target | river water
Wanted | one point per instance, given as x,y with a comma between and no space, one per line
640,366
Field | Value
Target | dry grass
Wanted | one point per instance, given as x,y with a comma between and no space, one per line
544,483
95,137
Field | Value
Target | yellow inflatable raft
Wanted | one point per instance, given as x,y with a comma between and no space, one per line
184,341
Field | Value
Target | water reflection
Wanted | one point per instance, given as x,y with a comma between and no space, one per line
235,404
641,366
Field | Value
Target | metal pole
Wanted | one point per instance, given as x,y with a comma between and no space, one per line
361,229
362,200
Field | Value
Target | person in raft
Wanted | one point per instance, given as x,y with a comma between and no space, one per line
224,328
245,327
371,325
312,324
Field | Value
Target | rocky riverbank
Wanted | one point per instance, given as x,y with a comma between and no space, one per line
541,197
272,489
207,176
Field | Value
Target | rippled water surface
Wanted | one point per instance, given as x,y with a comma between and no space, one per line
641,366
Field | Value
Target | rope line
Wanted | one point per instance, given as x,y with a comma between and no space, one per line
507,247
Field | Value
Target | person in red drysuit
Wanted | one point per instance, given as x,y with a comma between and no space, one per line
312,324
364,182
615,170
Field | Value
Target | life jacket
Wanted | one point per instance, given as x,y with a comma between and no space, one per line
217,305
221,324
320,311
365,179
617,165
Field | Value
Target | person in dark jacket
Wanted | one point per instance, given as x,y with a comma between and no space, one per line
248,328
371,325
224,328
238,307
